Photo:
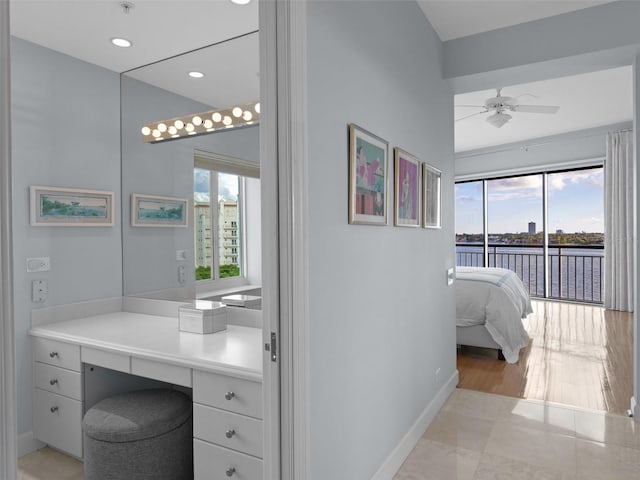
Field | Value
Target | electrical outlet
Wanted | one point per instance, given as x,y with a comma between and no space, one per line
39,291
450,276
181,275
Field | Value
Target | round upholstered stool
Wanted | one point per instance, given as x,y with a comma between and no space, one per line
145,434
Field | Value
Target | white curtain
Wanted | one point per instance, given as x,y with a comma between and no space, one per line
619,210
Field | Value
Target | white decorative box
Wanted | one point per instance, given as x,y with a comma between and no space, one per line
202,316
247,301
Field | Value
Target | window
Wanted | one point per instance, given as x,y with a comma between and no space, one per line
219,188
546,227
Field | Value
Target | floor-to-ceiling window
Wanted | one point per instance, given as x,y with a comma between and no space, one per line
547,227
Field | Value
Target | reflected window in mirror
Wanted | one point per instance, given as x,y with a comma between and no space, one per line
218,224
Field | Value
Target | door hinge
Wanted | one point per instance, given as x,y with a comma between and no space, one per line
272,347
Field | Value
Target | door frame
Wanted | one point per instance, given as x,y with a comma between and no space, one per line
8,417
285,237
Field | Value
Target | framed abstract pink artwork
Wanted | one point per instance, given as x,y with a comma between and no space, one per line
407,189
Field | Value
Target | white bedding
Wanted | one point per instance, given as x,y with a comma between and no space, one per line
496,298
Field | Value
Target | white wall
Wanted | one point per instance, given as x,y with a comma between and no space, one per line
66,133
381,315
166,169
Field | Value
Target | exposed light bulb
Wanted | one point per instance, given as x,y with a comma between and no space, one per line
227,120
247,115
257,107
162,127
208,124
237,111
179,124
189,127
156,133
145,130
197,121
216,117
172,130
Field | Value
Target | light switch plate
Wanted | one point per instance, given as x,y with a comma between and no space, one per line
38,264
181,255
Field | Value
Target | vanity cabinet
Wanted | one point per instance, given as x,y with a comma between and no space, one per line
57,405
227,427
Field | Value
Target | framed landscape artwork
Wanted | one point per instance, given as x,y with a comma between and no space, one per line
156,211
368,157
408,176
431,197
70,207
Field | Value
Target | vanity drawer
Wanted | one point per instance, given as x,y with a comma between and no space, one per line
161,371
56,353
113,361
57,421
228,429
211,462
58,380
228,393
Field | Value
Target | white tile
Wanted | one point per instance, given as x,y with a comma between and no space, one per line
542,416
610,462
607,428
478,404
461,431
533,446
494,467
436,461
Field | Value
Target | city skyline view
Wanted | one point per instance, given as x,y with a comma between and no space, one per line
575,203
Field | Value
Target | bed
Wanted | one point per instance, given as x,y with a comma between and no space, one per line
490,306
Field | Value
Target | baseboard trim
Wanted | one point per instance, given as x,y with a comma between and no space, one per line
27,443
399,454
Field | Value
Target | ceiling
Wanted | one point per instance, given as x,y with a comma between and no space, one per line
460,18
160,29
586,101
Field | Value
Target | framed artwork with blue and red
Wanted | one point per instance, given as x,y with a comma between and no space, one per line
368,159
408,173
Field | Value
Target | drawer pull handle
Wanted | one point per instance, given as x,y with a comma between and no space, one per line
54,354
229,395
53,381
53,409
230,433
231,471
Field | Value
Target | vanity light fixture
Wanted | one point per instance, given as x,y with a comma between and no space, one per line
237,116
121,42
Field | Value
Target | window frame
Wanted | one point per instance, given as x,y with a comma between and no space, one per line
215,164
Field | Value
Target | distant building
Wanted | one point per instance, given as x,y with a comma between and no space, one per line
203,235
228,224
559,231
532,228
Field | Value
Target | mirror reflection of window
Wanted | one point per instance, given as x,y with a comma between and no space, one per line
218,224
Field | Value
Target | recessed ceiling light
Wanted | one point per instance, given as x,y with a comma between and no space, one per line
196,74
241,2
121,42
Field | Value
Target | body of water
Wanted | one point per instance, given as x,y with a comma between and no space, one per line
574,273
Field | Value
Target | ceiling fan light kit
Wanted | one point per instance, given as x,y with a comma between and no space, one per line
498,119
498,106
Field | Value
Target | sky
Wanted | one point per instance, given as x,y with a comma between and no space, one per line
576,203
227,186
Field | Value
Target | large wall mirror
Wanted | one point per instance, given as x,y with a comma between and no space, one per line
218,243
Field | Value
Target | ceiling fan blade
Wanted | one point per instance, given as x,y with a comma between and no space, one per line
536,108
469,106
469,116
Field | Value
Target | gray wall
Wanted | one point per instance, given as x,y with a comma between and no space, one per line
574,149
66,133
149,254
381,315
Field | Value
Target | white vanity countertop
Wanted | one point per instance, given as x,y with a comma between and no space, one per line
236,351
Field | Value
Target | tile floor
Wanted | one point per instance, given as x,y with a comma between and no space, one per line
481,436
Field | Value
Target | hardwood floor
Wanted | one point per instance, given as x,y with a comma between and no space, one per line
578,355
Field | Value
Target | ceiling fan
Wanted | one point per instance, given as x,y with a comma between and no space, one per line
499,107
